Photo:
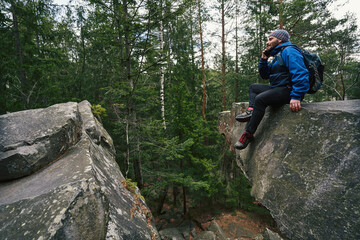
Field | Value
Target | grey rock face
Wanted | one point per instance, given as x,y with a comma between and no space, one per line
82,195
305,167
215,228
268,235
31,139
184,231
206,235
171,234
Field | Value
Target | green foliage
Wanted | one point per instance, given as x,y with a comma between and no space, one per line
98,111
238,193
132,187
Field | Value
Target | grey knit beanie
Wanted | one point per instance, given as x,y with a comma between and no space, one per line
281,34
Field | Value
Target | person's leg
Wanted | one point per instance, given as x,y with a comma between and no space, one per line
254,90
274,96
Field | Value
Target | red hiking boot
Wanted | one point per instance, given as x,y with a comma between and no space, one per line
244,140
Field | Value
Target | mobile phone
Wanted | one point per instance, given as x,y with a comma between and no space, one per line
267,52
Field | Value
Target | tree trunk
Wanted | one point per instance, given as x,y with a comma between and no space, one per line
161,201
202,63
223,54
120,37
184,201
342,83
127,159
22,76
131,113
127,49
236,95
175,194
3,104
137,167
82,63
281,24
162,71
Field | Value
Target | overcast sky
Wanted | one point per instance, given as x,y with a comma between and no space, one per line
339,8
352,6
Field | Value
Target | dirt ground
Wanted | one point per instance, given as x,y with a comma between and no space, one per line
239,224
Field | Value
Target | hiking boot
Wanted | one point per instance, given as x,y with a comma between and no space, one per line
244,140
245,116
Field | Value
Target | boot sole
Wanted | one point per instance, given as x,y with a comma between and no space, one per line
243,119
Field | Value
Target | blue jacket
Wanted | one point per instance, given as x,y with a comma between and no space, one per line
294,73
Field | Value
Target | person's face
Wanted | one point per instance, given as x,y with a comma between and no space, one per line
272,42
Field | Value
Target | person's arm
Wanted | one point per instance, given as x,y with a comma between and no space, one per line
264,69
299,75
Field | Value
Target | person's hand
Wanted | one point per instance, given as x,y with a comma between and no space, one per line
295,105
263,55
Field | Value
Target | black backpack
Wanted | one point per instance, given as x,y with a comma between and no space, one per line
313,64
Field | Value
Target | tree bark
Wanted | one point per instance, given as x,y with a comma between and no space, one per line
131,113
184,201
281,24
117,17
137,167
162,71
161,201
83,62
236,95
175,194
18,46
202,63
223,54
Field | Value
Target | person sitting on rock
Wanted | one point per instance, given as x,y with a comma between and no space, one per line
289,82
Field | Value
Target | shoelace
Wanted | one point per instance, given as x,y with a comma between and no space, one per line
248,112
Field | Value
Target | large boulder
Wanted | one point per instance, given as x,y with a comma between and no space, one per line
30,140
304,167
81,194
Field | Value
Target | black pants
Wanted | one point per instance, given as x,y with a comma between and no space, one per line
260,97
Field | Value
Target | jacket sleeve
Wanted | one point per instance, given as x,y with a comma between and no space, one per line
294,61
264,69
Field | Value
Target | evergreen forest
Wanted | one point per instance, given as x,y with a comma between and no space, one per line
157,82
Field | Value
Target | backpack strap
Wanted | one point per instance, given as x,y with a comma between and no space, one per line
279,55
280,60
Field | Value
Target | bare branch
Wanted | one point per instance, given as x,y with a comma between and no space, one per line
356,80
334,89
30,93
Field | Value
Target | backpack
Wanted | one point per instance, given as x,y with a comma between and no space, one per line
314,66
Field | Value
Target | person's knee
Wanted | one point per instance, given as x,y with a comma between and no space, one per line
258,88
260,102
254,85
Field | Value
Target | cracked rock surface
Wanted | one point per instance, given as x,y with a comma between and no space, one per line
31,139
78,195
